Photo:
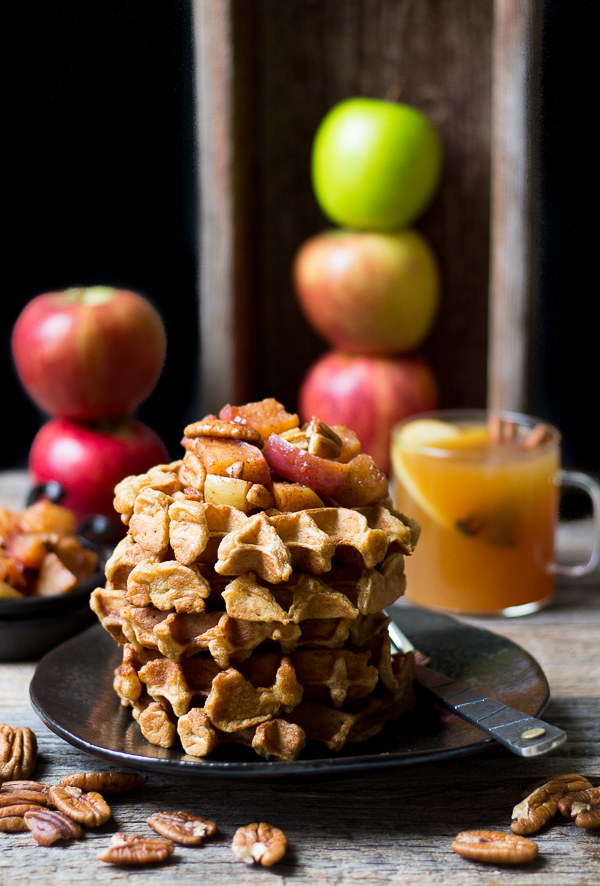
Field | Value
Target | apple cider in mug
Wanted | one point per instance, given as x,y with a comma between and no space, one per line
486,497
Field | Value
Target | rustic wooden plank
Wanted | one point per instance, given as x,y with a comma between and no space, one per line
436,56
514,144
391,828
266,75
224,91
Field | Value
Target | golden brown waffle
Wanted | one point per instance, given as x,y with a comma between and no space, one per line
158,593
164,478
206,710
335,677
248,623
271,544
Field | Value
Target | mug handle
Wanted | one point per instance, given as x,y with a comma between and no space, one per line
587,484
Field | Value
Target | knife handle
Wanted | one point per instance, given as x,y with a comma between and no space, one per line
523,735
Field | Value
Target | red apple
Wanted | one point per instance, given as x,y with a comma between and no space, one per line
89,460
369,395
368,293
325,477
89,354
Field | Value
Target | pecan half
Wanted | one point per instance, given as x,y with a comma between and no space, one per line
182,827
90,809
25,785
18,752
323,440
260,843
10,797
47,825
537,809
228,430
583,806
11,817
136,849
105,782
494,847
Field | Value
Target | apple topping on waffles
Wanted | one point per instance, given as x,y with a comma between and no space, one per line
248,594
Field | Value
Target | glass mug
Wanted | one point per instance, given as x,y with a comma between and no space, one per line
484,487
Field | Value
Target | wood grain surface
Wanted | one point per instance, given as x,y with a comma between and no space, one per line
394,828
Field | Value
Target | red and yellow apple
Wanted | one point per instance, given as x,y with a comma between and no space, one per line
89,354
369,395
368,293
89,460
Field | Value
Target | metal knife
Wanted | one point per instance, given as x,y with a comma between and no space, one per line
523,735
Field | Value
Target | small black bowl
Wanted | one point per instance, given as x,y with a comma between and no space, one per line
29,627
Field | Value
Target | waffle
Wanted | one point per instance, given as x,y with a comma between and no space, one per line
248,623
328,696
271,544
315,614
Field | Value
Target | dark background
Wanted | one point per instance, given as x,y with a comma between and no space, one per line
100,188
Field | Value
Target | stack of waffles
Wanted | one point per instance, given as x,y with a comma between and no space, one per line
249,604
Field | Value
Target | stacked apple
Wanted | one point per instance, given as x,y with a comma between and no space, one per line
89,357
371,290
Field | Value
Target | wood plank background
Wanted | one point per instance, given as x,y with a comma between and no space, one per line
283,65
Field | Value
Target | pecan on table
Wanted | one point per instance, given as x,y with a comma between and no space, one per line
105,782
48,825
20,795
182,827
89,809
494,847
260,843
538,808
583,806
25,784
18,752
11,817
136,849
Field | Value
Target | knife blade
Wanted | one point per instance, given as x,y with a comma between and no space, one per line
523,735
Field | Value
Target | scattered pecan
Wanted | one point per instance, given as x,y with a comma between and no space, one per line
537,809
260,843
494,847
583,806
182,827
47,825
18,752
105,782
25,785
11,817
228,430
136,849
16,795
89,809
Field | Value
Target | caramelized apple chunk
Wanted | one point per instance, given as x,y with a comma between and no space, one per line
265,416
324,476
218,455
365,483
44,516
350,443
291,497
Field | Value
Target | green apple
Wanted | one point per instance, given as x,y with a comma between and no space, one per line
375,164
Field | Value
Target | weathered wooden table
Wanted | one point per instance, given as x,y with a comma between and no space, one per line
392,828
